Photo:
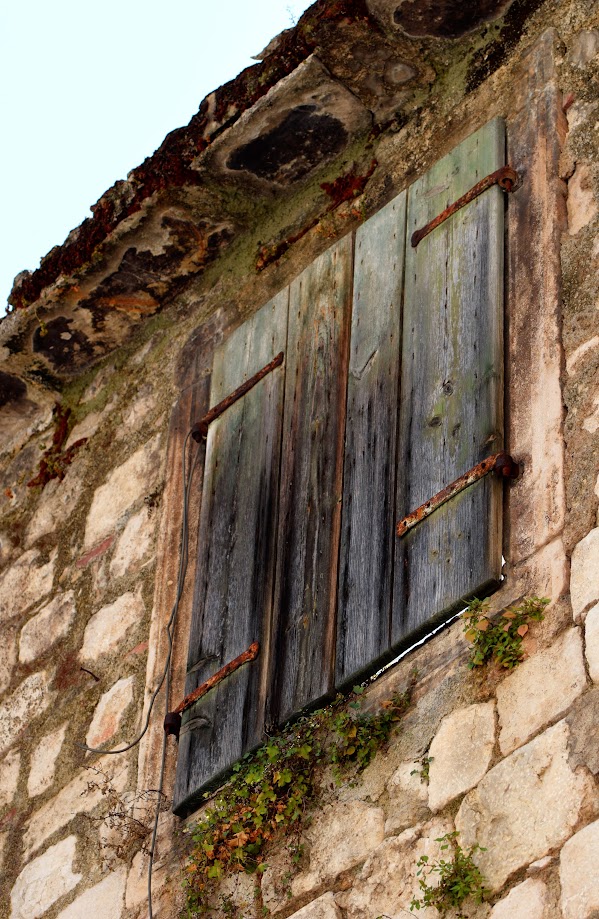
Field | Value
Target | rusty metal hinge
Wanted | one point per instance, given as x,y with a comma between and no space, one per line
172,721
507,179
199,431
501,464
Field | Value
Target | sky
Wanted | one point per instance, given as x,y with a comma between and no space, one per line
88,90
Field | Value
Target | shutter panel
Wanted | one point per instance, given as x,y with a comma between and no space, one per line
451,387
311,478
368,519
236,563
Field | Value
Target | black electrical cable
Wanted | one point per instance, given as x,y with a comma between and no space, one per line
166,673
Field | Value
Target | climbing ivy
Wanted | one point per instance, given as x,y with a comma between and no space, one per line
271,790
457,878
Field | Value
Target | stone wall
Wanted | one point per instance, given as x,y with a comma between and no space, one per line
88,570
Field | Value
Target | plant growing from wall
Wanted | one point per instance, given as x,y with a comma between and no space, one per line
271,789
500,639
459,878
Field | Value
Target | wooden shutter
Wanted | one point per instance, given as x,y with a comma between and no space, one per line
368,521
451,387
236,563
311,480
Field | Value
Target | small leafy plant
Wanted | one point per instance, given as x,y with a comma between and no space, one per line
425,768
500,639
459,878
272,789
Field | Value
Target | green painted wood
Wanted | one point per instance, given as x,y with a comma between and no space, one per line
452,388
368,516
311,482
236,556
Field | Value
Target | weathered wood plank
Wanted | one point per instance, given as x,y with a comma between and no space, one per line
452,387
368,516
236,559
311,481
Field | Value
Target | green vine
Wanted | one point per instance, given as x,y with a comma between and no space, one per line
500,639
271,790
458,878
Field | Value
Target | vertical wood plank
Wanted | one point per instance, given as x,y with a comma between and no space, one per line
311,481
368,516
452,387
236,559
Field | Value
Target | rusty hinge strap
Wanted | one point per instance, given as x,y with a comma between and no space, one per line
244,658
507,179
500,463
199,431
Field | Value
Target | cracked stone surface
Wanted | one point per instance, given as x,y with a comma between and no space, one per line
44,881
460,753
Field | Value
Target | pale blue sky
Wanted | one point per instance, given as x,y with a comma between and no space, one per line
88,90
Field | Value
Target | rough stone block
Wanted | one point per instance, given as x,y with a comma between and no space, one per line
9,777
102,901
43,762
582,206
460,753
407,798
339,838
582,719
25,583
28,701
323,907
387,882
74,798
540,690
47,627
133,545
584,577
591,637
124,486
109,712
524,807
583,48
591,422
578,874
44,880
56,504
107,628
526,901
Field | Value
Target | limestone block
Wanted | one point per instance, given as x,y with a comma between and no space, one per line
102,901
56,504
323,907
583,48
47,627
591,638
75,798
387,882
460,753
582,207
43,761
109,712
591,422
540,690
25,583
139,410
134,544
580,352
524,806
9,777
29,700
526,901
407,798
578,874
582,720
44,880
584,577
107,628
124,486
344,836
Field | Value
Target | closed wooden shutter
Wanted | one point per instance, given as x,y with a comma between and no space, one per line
237,551
391,388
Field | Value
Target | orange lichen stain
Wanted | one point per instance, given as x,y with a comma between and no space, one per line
142,303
